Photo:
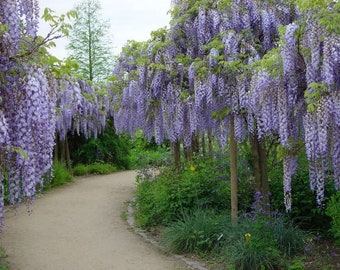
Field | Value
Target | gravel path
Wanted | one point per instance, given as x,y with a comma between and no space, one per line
79,227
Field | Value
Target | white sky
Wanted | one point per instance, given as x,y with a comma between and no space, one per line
129,19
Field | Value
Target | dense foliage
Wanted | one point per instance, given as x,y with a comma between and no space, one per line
108,148
190,208
333,211
173,193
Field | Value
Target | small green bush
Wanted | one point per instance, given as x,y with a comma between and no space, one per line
333,211
296,264
149,158
61,176
145,154
197,232
96,168
80,170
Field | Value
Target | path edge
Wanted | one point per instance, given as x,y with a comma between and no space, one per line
131,222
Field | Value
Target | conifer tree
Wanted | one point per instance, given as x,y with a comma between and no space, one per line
89,43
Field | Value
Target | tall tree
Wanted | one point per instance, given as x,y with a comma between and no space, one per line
89,42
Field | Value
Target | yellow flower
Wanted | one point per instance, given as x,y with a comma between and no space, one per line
192,168
247,235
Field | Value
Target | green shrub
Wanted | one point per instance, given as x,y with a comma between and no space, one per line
197,231
149,158
108,148
333,211
296,264
96,168
152,203
145,154
80,169
61,176
174,191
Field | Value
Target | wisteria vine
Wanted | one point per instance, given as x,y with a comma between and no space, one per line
35,104
221,61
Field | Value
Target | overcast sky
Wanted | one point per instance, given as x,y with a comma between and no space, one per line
129,19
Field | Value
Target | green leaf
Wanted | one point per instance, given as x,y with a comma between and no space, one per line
3,28
18,150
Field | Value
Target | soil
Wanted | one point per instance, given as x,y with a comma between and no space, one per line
80,227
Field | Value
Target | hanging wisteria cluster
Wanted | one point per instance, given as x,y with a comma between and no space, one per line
27,104
182,114
307,98
80,108
321,121
208,69
35,105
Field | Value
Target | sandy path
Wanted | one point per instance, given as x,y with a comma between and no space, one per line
79,227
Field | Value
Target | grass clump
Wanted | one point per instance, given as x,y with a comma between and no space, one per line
194,232
263,239
255,256
267,243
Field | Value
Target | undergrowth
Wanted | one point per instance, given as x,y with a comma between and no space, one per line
61,176
190,206
96,168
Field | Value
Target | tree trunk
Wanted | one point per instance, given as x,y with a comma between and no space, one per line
233,173
176,150
195,143
210,144
56,149
260,166
188,153
204,151
68,158
65,153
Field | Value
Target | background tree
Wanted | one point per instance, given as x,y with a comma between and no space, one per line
89,43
